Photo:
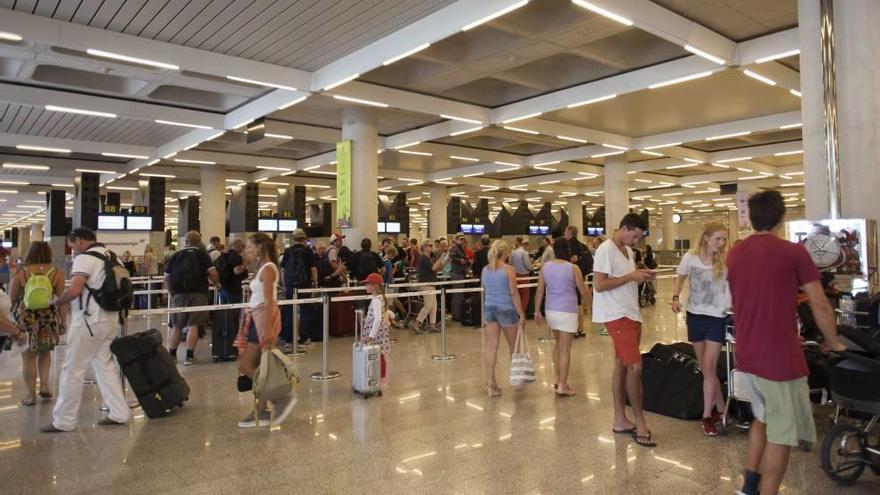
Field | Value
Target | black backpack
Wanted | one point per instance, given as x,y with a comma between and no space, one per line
224,271
295,272
366,264
185,273
116,293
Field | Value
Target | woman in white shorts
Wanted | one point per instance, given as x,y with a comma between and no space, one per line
561,280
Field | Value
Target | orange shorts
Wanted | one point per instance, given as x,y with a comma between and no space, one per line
626,335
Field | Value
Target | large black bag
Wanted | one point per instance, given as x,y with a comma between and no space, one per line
185,272
472,313
672,382
224,332
151,372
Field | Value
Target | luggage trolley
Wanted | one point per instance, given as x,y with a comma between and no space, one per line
736,389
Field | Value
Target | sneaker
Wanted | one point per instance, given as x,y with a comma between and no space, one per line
307,344
189,361
709,428
716,416
434,328
281,408
250,422
580,335
603,332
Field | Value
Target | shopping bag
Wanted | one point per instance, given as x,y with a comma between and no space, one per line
275,378
522,370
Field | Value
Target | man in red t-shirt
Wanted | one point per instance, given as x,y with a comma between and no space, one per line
765,272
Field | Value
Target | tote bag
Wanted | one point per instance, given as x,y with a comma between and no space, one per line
522,370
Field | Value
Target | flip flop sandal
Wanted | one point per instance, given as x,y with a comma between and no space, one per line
628,431
45,394
28,400
644,441
566,392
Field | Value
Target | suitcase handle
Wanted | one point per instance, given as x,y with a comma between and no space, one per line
358,324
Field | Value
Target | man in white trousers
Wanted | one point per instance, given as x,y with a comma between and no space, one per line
92,329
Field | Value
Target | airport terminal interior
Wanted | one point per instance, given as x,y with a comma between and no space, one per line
144,120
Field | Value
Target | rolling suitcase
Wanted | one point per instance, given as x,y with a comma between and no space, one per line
223,335
472,314
342,320
365,363
151,372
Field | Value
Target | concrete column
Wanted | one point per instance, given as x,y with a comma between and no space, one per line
575,211
359,125
24,241
212,210
667,241
858,100
616,192
437,216
36,232
732,227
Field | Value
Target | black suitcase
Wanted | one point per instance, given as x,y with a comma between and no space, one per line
223,335
151,372
472,313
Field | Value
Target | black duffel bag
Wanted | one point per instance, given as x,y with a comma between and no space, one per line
672,383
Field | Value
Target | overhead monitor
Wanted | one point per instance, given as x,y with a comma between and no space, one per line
533,229
392,227
138,223
287,225
267,225
478,229
111,222
467,228
6,243
381,227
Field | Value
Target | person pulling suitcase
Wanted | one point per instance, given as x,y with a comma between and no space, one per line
376,323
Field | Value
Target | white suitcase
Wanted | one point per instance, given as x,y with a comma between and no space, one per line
365,362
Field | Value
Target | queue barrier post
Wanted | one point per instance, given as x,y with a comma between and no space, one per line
443,356
324,374
295,351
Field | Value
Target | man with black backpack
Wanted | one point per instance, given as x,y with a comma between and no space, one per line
366,261
300,272
99,292
232,271
187,274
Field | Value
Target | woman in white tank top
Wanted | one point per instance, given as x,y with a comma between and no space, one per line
260,326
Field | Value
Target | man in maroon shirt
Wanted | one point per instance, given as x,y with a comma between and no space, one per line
765,272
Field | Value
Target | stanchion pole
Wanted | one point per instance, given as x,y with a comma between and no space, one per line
149,304
324,374
443,356
294,346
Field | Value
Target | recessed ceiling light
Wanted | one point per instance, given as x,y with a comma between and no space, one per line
759,77
22,166
293,102
495,15
658,146
134,60
182,124
529,116
121,188
420,153
777,56
603,12
727,136
278,136
592,100
574,139
465,131
123,155
707,56
27,147
461,119
260,83
795,92
524,131
784,153
267,167
80,111
361,101
406,54
677,80
163,176
198,162
94,171
341,82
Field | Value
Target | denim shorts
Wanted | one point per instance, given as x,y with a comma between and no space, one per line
252,336
505,317
705,327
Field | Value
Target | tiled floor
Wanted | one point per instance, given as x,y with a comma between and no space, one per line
434,431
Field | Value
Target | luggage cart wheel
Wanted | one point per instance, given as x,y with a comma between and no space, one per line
722,429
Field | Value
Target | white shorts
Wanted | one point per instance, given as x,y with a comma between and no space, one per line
564,322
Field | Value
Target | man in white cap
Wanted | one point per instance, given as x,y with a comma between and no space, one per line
339,269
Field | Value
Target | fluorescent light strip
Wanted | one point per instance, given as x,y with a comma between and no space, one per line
546,182
547,169
476,174
524,131
121,188
340,83
407,145
278,136
615,147
14,183
524,117
134,60
27,147
360,101
80,111
786,153
680,79
420,153
465,131
791,126
652,153
292,103
184,191
260,83
726,136
406,54
464,158
731,160
612,153
697,183
460,119
719,165
589,175
795,92
684,165
22,166
123,155
574,139
777,56
198,162
265,182
707,56
554,162
94,171
590,101
658,146
509,164
7,36
162,176
322,172
182,124
495,15
267,167
759,77
603,12
795,173
646,181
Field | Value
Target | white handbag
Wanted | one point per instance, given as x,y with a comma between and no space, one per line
522,370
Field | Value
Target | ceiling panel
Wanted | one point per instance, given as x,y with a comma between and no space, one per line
722,97
737,19
304,34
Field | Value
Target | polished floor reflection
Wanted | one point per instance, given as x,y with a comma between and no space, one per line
435,431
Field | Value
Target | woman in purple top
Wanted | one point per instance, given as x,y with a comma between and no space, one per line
561,279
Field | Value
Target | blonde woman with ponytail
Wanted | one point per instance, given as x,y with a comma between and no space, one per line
705,266
502,309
